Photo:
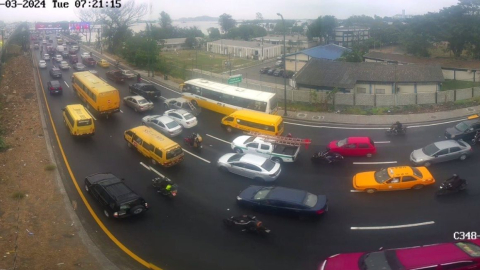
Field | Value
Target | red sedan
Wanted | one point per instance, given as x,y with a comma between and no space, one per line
353,146
460,255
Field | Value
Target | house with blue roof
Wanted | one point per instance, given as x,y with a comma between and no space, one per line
296,61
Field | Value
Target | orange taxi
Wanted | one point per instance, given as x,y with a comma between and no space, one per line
393,178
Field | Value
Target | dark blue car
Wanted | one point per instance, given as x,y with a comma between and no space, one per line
283,200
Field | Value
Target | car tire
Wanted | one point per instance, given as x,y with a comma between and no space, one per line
86,188
223,169
129,145
237,150
137,210
427,164
417,187
463,157
277,160
371,190
105,212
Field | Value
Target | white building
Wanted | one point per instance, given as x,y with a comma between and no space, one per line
245,49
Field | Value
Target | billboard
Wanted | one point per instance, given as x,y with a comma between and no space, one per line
51,26
79,26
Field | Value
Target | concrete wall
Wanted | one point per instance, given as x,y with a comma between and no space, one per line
464,93
448,74
387,87
406,99
476,91
445,96
427,88
294,65
344,99
365,100
426,98
385,100
406,88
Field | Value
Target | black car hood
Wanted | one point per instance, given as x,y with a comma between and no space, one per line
453,131
321,202
247,194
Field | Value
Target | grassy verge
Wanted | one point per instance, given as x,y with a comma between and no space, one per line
456,84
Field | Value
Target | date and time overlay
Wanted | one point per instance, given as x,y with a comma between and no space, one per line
60,4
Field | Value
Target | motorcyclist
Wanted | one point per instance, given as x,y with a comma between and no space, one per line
246,221
397,127
165,185
454,182
329,156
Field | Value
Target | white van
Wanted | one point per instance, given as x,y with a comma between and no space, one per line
60,48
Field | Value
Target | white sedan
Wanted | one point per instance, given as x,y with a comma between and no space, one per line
184,118
42,64
163,124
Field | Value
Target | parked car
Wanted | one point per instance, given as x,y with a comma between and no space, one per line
283,200
103,63
461,255
264,70
73,59
464,130
54,87
114,196
128,74
42,64
279,63
116,76
64,65
278,72
55,72
79,67
251,166
353,146
184,118
182,103
271,71
393,178
163,124
148,91
138,103
46,56
440,152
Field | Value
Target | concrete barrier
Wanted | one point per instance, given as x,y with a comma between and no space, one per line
343,99
406,99
384,100
476,91
463,93
445,96
364,100
426,98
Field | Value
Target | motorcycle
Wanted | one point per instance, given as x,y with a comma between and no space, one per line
194,142
319,156
476,139
445,188
161,183
247,223
394,132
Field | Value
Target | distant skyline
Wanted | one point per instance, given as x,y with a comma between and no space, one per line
246,9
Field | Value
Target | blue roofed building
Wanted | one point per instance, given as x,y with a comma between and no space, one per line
296,61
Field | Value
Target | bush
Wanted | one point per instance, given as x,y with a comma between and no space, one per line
18,195
50,167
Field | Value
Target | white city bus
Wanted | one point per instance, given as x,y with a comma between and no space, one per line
226,99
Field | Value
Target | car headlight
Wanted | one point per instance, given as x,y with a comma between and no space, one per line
238,198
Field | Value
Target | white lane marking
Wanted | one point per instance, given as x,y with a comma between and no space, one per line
354,190
380,162
374,128
163,98
196,156
394,226
91,114
382,142
162,86
217,138
147,167
150,168
121,111
66,84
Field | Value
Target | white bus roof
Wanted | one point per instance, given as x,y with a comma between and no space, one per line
232,90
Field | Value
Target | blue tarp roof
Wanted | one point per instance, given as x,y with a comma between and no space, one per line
329,51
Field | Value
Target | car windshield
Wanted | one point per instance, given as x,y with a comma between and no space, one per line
310,200
469,248
381,176
55,83
250,139
417,172
262,193
142,101
174,153
235,157
342,142
268,165
462,126
374,260
430,149
172,124
188,116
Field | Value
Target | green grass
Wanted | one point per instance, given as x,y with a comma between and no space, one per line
456,84
203,60
50,167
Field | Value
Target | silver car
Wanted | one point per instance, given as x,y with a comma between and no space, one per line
64,65
182,103
138,103
440,152
42,64
251,166
163,124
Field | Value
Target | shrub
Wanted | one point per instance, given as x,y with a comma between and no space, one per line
50,167
18,195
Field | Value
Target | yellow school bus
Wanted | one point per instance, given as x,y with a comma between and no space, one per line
153,145
97,95
247,120
78,120
226,99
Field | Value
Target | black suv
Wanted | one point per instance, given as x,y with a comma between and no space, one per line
116,198
145,90
55,72
464,130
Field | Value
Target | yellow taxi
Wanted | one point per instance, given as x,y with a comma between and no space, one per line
103,63
393,178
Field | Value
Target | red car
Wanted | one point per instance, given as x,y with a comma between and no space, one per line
353,146
460,255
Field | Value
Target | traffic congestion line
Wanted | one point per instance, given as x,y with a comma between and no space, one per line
196,156
394,226
370,163
218,139
82,196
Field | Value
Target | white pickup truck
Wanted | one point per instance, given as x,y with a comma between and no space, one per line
260,146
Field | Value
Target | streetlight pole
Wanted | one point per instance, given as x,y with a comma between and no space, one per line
154,56
284,68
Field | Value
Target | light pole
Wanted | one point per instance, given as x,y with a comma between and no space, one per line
284,68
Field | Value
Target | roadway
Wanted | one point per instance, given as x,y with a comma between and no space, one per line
187,232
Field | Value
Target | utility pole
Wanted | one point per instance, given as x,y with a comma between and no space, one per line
148,48
229,64
284,68
154,56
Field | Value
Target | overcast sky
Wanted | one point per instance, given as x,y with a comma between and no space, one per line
246,9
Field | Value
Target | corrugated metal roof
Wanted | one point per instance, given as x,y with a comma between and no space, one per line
329,51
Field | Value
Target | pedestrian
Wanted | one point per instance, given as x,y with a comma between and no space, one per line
139,78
